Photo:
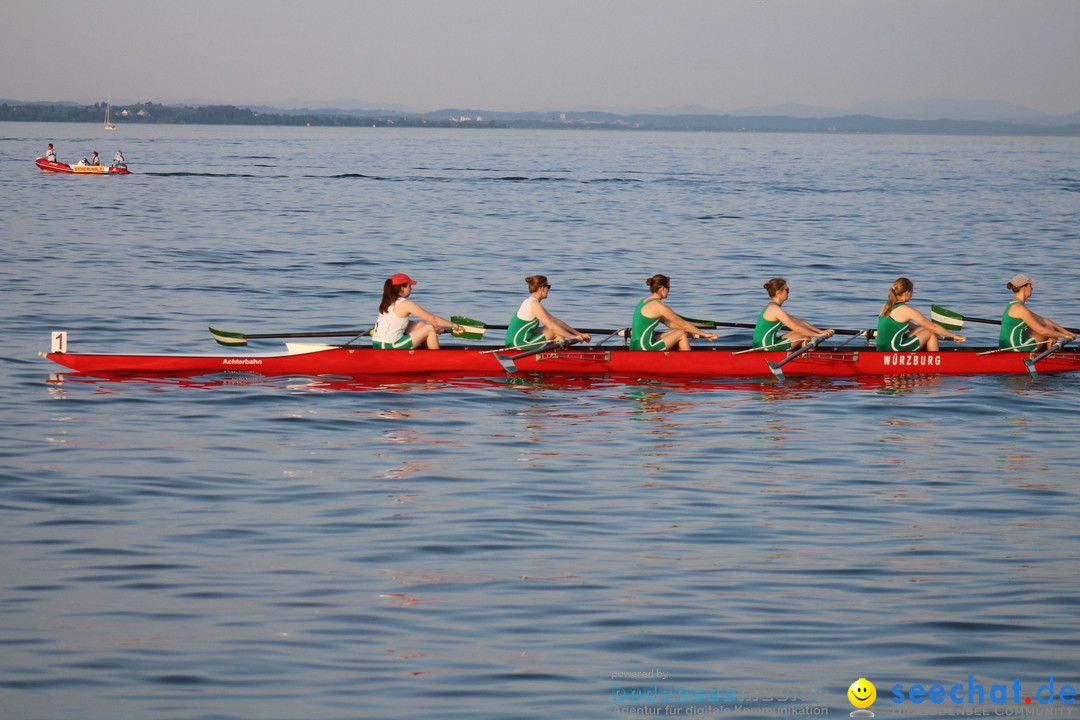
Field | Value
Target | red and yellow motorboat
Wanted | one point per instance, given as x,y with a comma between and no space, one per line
579,361
59,167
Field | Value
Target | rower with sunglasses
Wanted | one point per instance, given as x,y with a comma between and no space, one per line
532,325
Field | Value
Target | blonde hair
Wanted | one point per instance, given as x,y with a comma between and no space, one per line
901,286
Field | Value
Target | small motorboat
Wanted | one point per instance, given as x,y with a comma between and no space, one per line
59,167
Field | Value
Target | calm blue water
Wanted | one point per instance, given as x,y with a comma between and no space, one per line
493,548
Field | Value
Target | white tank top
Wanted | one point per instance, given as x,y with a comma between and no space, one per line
525,312
389,327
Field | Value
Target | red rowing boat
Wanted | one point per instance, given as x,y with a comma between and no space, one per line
584,361
59,167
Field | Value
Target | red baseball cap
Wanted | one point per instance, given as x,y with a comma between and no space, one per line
402,279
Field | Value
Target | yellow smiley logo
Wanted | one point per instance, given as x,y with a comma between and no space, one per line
862,693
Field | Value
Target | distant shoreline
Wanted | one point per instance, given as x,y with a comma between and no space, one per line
157,114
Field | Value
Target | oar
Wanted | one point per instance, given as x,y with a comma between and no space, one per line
952,320
763,347
235,339
508,362
475,329
507,349
713,324
1030,363
814,342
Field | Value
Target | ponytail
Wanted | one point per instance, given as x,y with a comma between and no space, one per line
901,286
390,293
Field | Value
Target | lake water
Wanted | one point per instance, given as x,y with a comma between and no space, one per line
297,548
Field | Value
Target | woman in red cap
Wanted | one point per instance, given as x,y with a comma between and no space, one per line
1022,329
394,330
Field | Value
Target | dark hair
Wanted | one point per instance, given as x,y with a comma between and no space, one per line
774,286
536,282
899,287
1015,288
390,293
658,281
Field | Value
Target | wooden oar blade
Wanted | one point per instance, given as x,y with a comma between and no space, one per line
229,339
946,318
471,329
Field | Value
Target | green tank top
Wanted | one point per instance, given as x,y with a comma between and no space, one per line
1014,334
523,333
641,329
893,335
765,330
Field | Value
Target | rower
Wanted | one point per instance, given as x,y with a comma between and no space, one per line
1023,330
651,311
894,331
393,329
773,317
532,325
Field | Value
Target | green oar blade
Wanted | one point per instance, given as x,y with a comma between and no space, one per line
471,329
229,339
946,318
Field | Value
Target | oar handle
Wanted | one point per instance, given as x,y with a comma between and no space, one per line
987,321
336,333
589,331
478,328
229,338
713,324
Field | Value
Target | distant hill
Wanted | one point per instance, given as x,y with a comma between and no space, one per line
973,110
784,118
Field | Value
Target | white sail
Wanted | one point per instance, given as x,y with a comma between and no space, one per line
108,107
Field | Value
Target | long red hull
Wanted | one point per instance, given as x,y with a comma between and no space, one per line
59,167
582,362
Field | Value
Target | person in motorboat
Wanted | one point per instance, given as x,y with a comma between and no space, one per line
773,317
393,328
94,159
895,331
532,325
1023,330
651,311
118,161
50,154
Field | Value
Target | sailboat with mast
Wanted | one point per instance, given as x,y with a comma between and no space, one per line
108,108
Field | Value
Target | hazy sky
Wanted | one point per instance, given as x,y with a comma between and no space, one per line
544,54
